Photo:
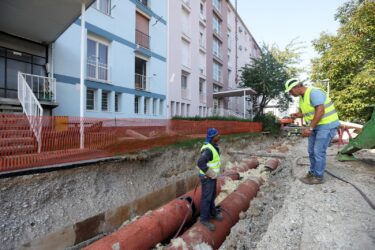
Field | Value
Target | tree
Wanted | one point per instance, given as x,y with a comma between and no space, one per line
348,60
267,75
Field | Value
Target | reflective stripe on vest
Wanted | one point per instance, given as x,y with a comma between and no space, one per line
215,163
308,111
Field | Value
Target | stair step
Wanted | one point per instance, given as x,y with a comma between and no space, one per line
16,141
18,149
14,126
14,133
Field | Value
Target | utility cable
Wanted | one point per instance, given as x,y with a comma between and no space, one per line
357,188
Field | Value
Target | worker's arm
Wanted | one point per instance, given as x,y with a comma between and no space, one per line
205,157
319,112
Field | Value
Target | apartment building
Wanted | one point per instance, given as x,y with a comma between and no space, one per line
202,57
125,61
247,48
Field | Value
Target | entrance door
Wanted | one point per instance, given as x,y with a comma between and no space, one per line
12,62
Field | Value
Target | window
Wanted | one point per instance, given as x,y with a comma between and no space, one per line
184,85
217,4
216,47
142,37
188,110
216,24
146,107
154,106
172,108
161,107
185,54
216,73
117,102
182,109
144,2
201,39
90,99
202,90
105,97
97,59
185,22
103,6
202,8
137,103
141,79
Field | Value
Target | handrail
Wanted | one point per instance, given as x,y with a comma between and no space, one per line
43,87
31,107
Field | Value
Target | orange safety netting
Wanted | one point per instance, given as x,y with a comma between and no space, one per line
60,137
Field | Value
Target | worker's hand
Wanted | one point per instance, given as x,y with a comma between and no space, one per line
211,174
306,132
296,115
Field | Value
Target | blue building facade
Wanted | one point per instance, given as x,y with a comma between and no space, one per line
125,69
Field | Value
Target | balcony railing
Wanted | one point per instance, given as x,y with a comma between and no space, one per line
142,82
44,88
142,39
97,70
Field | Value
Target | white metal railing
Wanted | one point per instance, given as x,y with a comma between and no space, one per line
97,70
225,113
31,107
43,87
142,82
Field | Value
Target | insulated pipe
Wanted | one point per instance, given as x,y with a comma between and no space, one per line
236,202
162,223
272,164
148,230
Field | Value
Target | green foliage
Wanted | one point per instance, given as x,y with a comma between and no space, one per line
270,122
348,60
220,118
267,75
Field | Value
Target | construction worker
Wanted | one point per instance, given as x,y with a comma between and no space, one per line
322,120
209,169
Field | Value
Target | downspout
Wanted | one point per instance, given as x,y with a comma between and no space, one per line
82,75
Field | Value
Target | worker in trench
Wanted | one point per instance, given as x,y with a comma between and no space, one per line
209,169
319,113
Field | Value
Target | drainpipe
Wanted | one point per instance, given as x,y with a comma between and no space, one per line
162,223
82,80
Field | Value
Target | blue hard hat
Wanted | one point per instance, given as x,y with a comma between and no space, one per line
211,133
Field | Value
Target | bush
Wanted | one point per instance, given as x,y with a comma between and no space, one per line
270,122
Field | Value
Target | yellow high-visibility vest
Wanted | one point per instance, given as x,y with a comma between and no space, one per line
215,163
308,111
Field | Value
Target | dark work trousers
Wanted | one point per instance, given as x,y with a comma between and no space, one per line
208,197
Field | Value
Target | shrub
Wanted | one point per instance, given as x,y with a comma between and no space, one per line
270,122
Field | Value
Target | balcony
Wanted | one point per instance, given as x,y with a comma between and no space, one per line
142,39
142,82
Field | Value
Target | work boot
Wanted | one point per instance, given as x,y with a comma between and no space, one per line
311,179
218,216
209,225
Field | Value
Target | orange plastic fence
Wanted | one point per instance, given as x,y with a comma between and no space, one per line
60,137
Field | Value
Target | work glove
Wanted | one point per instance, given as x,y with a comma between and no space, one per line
211,174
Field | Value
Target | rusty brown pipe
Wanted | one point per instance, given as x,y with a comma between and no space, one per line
160,224
272,164
232,205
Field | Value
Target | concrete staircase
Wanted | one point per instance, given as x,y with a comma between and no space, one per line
16,136
10,106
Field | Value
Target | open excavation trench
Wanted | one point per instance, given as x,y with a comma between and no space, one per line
61,209
72,208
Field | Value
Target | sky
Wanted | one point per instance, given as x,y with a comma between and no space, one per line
280,21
